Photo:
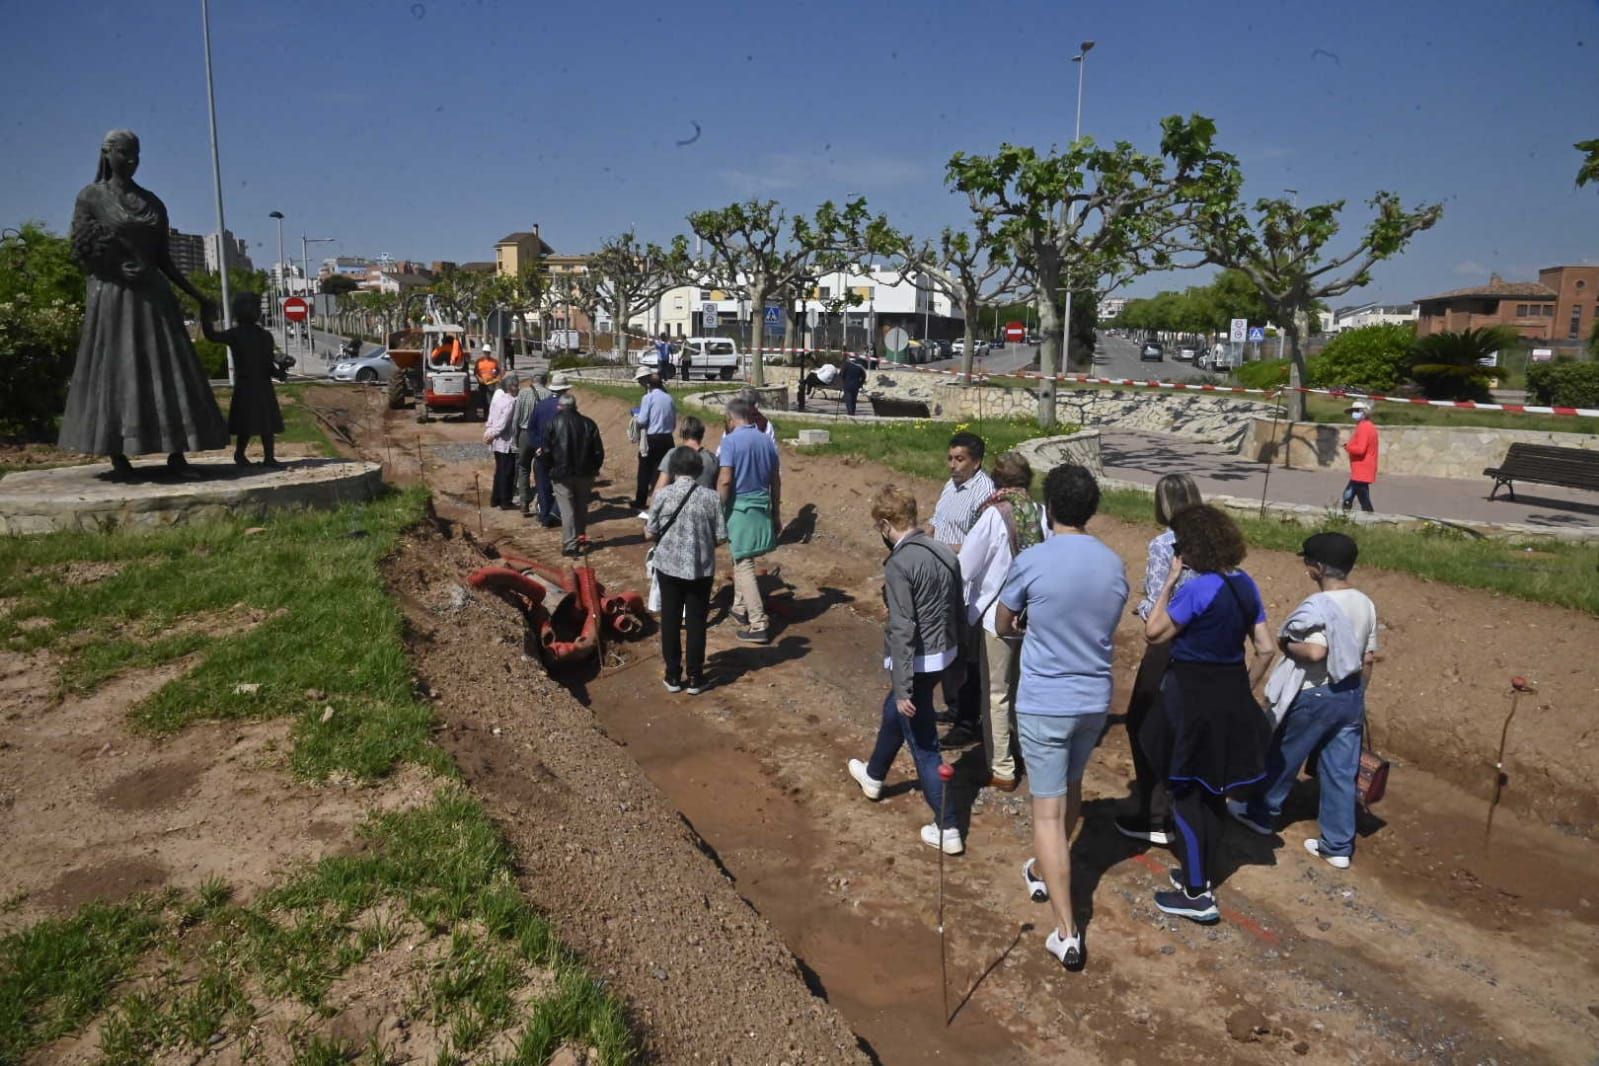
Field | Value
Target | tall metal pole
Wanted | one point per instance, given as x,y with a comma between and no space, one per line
305,266
1081,59
283,283
216,181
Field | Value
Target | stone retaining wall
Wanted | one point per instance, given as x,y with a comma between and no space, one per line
1431,451
1046,453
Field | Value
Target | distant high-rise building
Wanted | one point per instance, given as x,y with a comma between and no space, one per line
188,251
238,256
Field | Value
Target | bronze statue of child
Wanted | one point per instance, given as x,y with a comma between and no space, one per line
253,410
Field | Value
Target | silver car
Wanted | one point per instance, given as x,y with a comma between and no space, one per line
374,368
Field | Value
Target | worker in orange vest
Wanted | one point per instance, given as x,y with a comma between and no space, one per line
1362,449
487,370
457,353
441,354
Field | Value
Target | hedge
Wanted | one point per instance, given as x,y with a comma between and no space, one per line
1563,384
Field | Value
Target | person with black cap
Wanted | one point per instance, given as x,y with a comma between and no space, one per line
1318,693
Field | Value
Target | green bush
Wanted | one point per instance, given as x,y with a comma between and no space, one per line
1372,357
1448,366
41,314
214,357
1563,384
1266,374
574,361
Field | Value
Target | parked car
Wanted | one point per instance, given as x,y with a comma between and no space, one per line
1187,353
1152,350
374,368
709,357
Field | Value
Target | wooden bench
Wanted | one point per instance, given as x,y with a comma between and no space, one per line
892,407
1545,464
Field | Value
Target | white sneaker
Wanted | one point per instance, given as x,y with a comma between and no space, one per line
869,785
1068,949
643,516
952,843
1240,812
1037,891
1337,862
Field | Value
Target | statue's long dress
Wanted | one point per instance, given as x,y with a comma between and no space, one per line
138,386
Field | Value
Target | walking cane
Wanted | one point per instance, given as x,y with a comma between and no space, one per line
1518,685
477,492
946,774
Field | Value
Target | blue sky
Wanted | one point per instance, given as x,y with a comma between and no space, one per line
429,129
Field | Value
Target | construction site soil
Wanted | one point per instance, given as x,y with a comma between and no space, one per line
713,861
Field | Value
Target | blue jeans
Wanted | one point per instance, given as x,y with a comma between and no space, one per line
548,512
919,731
1329,717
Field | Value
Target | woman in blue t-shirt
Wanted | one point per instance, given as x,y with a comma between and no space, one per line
1211,735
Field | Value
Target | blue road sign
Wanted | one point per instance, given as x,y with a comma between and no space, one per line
1256,333
774,315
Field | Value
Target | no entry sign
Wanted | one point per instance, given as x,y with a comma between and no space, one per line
1015,332
296,309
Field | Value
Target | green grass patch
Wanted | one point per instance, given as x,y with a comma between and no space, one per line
1566,575
57,974
1328,409
309,586
300,425
441,870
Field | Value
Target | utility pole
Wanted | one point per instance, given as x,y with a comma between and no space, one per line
305,261
283,283
216,180
1081,59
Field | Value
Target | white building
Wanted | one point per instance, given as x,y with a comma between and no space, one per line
238,256
1372,314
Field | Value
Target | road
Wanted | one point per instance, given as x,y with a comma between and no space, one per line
1116,357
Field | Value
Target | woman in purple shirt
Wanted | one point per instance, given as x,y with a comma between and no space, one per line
1210,735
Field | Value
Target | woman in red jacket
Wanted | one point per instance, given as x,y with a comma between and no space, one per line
1362,449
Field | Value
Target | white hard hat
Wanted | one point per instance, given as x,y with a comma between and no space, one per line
487,347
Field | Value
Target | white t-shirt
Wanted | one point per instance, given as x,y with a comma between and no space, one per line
1362,615
826,373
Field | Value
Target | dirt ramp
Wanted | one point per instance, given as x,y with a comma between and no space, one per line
606,856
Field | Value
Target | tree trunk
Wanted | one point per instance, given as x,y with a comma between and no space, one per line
1298,374
1049,351
757,334
969,342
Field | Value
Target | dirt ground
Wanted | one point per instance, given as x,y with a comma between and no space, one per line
1435,947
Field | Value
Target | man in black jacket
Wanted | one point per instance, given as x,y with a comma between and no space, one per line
575,451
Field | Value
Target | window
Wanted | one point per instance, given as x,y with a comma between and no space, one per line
826,291
1581,284
1576,322
1521,310
705,294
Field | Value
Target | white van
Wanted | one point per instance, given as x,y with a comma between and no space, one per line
709,358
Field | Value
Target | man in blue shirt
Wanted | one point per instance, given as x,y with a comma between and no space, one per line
656,418
751,490
1073,590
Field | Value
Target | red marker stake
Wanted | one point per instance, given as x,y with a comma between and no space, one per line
946,774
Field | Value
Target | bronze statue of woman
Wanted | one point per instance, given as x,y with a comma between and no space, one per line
138,386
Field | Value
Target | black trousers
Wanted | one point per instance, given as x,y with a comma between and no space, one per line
685,602
1149,785
649,465
849,400
504,479
1200,815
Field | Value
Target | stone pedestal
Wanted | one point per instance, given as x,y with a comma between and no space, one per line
80,498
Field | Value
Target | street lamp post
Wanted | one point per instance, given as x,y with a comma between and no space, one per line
305,262
283,282
1081,59
216,181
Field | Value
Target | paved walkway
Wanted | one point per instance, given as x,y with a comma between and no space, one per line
1144,457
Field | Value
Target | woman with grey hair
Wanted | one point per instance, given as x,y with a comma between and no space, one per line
1151,817
138,386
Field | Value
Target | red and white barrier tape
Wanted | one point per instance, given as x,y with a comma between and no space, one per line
1150,383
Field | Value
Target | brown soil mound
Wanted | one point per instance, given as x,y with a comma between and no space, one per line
607,857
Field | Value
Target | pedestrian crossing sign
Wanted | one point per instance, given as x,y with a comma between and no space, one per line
1256,333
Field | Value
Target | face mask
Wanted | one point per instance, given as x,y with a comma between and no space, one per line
888,541
1356,416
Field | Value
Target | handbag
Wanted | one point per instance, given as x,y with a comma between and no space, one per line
653,603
